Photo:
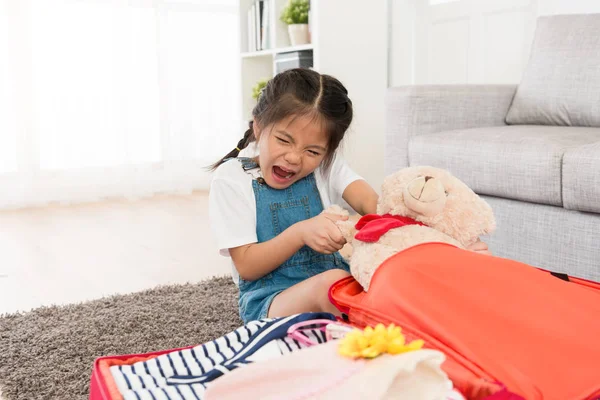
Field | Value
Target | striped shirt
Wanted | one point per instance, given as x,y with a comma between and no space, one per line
185,374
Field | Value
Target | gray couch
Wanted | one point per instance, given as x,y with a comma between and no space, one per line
531,150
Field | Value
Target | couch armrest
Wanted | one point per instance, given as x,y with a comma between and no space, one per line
422,109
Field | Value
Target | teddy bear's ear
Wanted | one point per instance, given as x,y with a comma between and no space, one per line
384,205
389,191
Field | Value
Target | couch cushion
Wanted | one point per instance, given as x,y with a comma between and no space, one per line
561,84
514,162
547,237
581,178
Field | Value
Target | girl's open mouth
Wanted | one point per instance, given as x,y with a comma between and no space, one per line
282,175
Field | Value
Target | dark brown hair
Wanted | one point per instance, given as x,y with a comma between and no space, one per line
300,92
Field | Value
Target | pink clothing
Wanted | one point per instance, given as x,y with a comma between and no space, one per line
320,373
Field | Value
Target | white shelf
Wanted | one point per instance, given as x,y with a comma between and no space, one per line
270,52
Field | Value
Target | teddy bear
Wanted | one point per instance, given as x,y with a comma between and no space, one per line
417,205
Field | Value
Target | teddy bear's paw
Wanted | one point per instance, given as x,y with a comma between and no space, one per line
347,229
346,252
336,210
365,282
363,276
346,226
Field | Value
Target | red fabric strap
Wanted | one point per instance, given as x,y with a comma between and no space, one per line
371,227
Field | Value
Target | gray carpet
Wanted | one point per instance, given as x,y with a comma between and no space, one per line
48,353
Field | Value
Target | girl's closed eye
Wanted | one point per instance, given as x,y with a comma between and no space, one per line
282,140
314,153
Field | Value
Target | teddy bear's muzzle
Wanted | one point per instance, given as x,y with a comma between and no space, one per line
425,195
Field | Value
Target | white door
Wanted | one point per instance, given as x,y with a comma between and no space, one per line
472,41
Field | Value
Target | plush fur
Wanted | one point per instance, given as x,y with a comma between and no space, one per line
453,214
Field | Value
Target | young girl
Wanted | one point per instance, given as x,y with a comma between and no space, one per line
266,211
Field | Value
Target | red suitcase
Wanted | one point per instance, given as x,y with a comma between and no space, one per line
499,322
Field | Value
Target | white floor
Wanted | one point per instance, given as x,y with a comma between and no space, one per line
66,254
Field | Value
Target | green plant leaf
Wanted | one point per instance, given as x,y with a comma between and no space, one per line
295,12
258,88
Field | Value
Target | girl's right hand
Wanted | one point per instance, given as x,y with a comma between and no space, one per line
321,234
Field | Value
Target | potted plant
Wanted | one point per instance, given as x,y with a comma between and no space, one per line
258,88
295,15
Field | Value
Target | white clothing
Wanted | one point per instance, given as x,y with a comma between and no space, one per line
232,205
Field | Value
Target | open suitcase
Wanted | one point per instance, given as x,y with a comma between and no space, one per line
499,322
509,331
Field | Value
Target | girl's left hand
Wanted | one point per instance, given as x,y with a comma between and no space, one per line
480,247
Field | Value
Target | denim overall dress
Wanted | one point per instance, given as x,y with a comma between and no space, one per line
277,210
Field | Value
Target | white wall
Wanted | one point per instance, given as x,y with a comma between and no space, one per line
401,47
352,46
554,7
467,41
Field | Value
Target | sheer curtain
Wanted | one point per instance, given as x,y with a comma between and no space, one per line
110,98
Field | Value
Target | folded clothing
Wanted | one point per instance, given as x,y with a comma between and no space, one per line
185,373
320,373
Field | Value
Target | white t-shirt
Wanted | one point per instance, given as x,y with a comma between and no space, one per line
232,206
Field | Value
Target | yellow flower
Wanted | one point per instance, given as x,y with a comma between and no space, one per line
371,342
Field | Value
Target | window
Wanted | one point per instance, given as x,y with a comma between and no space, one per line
115,97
